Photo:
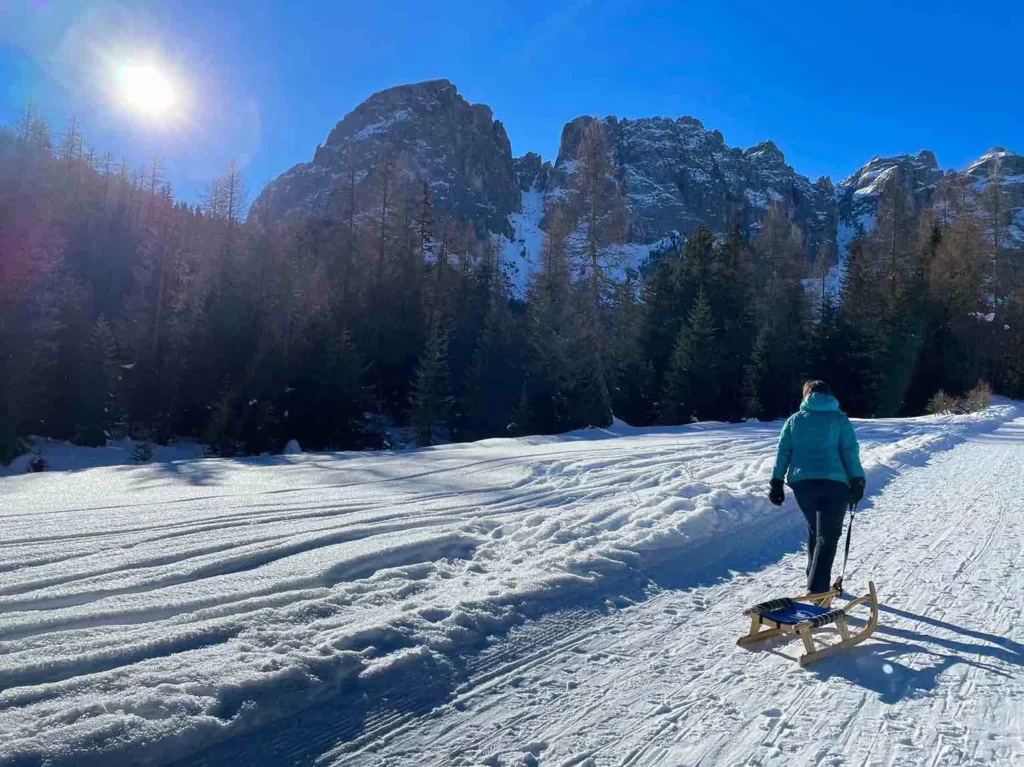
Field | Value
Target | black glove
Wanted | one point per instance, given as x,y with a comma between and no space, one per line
856,490
778,493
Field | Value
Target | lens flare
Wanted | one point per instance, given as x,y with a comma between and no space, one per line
145,89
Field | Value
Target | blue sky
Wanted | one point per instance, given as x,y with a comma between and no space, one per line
831,83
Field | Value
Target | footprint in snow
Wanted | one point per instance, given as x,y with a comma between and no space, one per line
772,713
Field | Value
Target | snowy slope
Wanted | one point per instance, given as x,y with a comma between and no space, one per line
147,613
521,253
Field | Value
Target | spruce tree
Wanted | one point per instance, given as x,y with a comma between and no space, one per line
549,335
628,372
732,306
431,391
99,407
692,385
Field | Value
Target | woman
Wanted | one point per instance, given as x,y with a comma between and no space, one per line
819,449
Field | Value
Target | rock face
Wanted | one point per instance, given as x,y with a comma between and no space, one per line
1006,167
532,172
431,134
857,195
920,174
677,174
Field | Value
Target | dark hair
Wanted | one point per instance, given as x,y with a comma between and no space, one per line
816,387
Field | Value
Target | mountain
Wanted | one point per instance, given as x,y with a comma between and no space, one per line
1008,168
431,134
857,194
675,174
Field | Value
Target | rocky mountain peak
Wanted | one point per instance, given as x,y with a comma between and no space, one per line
677,174
1007,162
532,172
765,154
926,159
429,134
1008,167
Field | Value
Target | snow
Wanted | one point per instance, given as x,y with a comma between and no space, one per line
996,153
871,182
1017,227
523,250
382,125
554,599
757,199
846,231
64,456
292,448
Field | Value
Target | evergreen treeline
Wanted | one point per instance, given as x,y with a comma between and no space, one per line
125,312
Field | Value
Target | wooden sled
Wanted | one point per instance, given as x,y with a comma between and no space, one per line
802,615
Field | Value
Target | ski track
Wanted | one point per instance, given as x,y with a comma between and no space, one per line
566,601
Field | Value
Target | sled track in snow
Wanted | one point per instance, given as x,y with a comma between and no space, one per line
939,683
561,600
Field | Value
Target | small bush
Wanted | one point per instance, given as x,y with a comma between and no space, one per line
942,404
978,397
36,464
142,452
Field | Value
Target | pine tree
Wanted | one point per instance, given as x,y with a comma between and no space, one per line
628,370
99,411
494,377
431,393
732,306
596,206
774,374
997,217
549,330
692,384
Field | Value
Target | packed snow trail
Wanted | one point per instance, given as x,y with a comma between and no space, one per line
357,609
662,683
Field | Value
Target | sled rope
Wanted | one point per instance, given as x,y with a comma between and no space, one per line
846,554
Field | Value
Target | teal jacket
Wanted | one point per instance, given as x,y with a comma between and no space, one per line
817,442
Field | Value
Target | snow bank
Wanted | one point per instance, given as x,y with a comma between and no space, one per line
146,611
64,456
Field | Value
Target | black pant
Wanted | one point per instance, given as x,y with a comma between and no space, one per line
823,502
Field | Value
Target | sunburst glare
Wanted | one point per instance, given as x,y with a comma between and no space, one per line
145,89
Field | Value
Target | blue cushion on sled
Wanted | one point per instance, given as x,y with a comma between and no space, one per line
796,612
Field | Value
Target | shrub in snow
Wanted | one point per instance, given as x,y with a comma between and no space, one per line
142,452
36,464
292,448
942,404
978,397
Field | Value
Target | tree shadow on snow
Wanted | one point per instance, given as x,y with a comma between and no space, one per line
876,665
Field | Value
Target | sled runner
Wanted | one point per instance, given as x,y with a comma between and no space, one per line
802,615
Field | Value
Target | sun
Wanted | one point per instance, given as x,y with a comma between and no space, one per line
145,89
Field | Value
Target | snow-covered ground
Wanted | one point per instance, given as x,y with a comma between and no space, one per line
64,456
566,600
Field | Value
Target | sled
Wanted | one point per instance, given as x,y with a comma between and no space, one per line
802,615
